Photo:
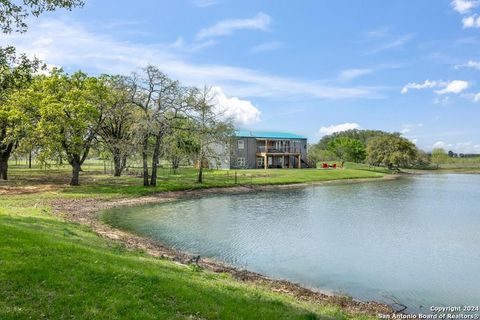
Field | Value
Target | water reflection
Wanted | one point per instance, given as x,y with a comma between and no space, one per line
414,239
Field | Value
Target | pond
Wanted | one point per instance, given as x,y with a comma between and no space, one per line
413,240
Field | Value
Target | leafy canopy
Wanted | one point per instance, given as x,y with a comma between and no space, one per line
347,149
391,150
71,111
14,13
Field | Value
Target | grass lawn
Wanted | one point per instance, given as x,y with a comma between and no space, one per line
50,269
95,183
53,269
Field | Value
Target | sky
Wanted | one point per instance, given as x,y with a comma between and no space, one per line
307,67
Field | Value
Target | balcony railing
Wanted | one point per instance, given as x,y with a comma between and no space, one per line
262,149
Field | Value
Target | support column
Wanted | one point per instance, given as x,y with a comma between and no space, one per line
265,161
299,162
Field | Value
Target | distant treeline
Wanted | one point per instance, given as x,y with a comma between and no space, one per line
374,147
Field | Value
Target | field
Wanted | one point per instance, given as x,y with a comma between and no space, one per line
95,181
460,165
53,269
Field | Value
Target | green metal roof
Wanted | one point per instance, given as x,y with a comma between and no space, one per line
267,134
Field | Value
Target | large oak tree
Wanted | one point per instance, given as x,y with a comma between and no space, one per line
16,74
160,99
71,114
117,132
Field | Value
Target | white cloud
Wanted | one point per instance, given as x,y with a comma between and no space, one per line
181,45
73,45
425,85
471,22
456,86
205,3
350,74
337,128
443,100
241,112
378,33
267,46
439,145
226,27
47,70
464,6
459,147
395,43
476,98
470,64
406,128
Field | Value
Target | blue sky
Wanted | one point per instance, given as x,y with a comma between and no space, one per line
309,67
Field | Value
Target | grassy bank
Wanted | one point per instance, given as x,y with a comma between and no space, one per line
51,268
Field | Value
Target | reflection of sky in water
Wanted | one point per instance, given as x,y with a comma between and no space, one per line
415,239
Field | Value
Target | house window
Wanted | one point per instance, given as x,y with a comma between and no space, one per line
240,162
260,162
240,144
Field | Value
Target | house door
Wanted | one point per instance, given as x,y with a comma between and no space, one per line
260,162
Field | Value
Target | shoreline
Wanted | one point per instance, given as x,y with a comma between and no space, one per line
86,212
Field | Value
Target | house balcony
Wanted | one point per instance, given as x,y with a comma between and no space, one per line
278,150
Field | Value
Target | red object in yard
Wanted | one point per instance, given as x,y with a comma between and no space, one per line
334,166
324,165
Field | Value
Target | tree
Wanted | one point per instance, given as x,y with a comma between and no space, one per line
361,135
16,73
180,143
160,99
17,120
14,13
391,151
210,128
439,156
118,128
347,149
72,113
423,159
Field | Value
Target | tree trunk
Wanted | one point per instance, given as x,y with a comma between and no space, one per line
30,160
118,163
175,164
117,166
75,181
200,173
155,158
3,168
4,156
145,162
124,163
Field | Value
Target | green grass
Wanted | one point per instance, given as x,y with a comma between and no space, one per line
53,269
95,183
462,164
366,167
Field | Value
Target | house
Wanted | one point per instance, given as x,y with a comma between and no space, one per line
260,149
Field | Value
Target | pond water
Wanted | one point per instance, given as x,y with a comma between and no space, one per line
413,240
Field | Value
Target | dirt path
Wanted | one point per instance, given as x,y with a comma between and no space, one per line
85,211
